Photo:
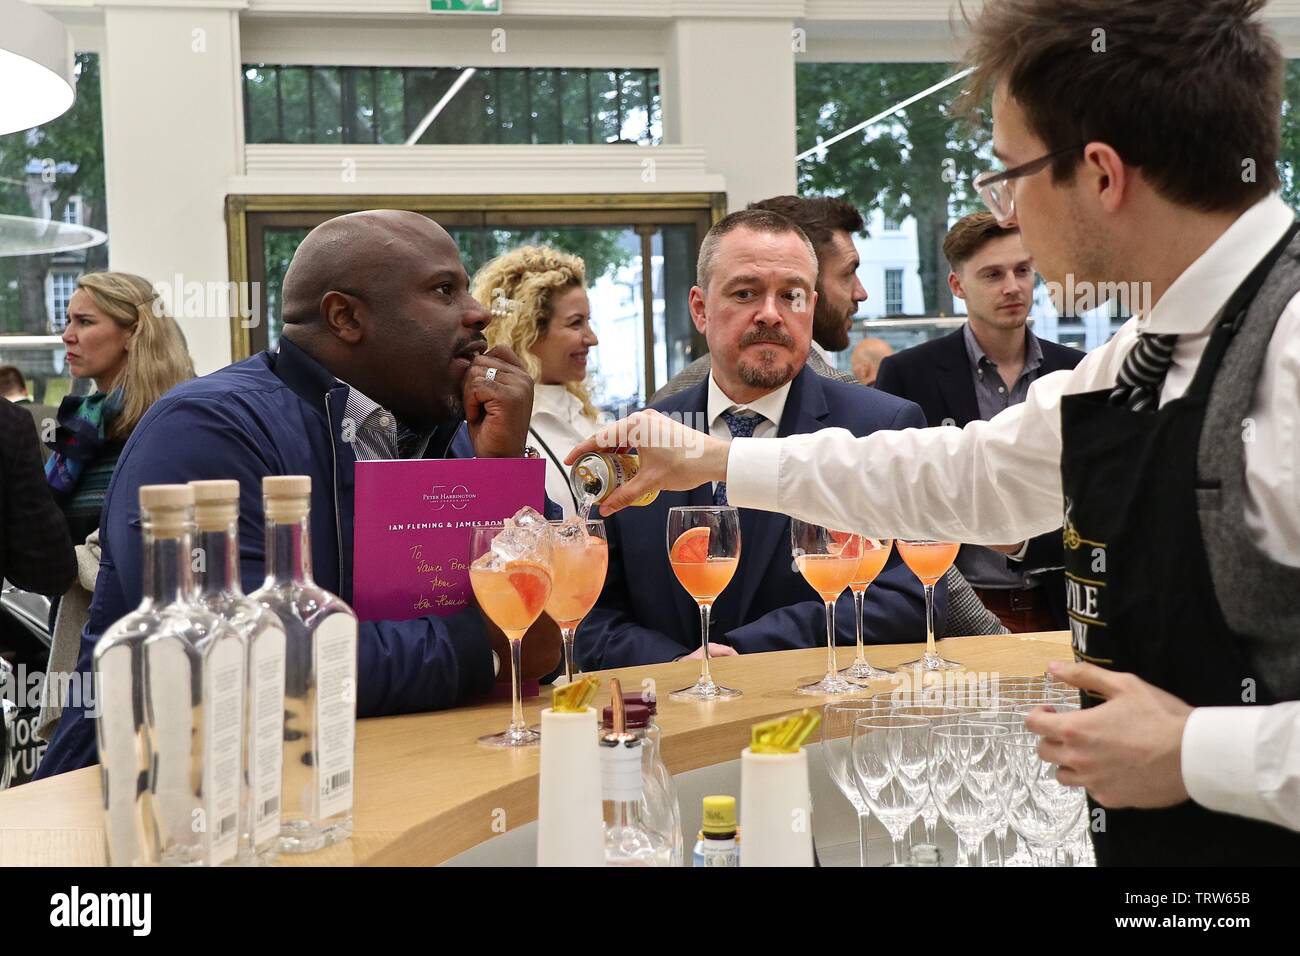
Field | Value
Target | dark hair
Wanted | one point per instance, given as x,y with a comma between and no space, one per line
969,234
11,378
757,220
818,216
1189,91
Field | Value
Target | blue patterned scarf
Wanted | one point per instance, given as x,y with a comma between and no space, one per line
83,429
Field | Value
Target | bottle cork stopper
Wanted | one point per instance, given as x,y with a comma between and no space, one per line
286,497
286,486
166,508
216,504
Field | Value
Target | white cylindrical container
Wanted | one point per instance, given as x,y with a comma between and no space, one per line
775,809
570,827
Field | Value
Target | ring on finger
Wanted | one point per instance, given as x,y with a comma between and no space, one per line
491,375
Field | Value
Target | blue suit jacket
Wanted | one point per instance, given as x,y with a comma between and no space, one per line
645,617
277,413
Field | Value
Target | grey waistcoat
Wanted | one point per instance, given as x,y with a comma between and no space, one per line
1260,598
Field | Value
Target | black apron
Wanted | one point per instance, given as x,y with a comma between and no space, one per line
1141,597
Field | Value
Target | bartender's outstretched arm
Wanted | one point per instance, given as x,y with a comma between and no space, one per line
674,457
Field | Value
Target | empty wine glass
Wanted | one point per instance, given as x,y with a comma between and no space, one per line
1043,812
889,766
838,717
962,771
934,714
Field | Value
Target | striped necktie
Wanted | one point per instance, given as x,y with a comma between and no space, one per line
1143,372
740,426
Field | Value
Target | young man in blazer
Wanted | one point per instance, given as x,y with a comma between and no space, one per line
973,374
754,303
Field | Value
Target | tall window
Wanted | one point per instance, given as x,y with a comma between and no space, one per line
62,285
53,172
359,104
893,292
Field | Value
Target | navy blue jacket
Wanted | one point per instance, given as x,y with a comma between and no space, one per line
645,617
277,413
937,376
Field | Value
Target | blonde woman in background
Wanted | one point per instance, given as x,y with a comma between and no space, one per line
538,299
119,336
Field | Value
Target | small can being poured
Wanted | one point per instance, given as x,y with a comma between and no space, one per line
595,475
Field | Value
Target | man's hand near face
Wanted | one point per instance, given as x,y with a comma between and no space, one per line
498,410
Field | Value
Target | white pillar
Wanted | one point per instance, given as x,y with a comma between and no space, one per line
172,141
729,87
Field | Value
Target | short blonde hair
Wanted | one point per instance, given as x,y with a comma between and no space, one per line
157,358
528,279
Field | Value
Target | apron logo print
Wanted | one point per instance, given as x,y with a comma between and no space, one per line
1070,534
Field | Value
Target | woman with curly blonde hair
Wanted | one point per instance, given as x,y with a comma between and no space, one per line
538,299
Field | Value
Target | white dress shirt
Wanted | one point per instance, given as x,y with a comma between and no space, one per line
559,424
999,481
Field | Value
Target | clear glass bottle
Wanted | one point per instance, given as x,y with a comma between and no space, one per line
320,680
169,772
661,789
216,518
631,839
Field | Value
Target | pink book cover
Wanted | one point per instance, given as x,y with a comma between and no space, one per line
413,522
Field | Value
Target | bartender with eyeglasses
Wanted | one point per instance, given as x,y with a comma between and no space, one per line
1171,450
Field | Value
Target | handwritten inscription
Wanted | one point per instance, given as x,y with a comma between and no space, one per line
435,582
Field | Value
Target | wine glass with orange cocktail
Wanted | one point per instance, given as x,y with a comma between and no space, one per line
828,561
875,552
512,583
580,559
704,549
929,561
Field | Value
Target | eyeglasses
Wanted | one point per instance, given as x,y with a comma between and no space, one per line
996,189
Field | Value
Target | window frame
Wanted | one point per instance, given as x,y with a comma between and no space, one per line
249,216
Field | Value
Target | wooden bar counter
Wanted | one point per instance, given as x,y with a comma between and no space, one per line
426,791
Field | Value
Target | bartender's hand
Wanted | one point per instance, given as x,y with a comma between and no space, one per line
1126,752
541,652
674,457
498,412
1010,550
715,650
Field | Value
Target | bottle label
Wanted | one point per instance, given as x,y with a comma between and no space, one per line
266,732
335,648
717,853
223,726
